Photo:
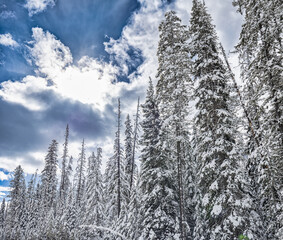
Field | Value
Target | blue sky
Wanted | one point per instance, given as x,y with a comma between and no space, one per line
67,61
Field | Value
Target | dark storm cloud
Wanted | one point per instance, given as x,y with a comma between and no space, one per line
23,131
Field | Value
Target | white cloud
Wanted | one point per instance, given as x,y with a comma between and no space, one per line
3,191
7,40
50,55
36,6
7,14
4,176
10,163
19,92
90,81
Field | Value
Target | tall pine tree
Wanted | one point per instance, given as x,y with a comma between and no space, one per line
173,97
158,207
220,212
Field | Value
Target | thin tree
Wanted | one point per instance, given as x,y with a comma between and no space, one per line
62,189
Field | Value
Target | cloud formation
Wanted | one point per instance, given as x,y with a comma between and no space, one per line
7,40
7,14
37,6
84,93
4,176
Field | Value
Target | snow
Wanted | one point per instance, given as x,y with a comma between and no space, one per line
235,220
104,229
216,209
214,186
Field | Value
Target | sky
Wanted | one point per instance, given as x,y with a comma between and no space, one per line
68,61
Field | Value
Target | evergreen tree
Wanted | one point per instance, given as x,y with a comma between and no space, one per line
49,178
94,200
260,50
15,222
32,208
221,213
2,218
173,97
48,192
80,175
128,155
135,146
129,224
115,195
158,198
63,186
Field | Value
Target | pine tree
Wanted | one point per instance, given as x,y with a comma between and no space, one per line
130,223
48,192
70,217
260,50
2,218
49,178
32,208
158,198
65,222
15,222
221,213
173,97
63,186
94,200
128,155
114,178
80,175
135,146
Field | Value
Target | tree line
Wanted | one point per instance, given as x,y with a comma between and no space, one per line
216,176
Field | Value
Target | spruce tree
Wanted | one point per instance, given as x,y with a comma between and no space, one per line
128,155
221,212
135,146
80,175
15,222
172,89
48,192
2,218
159,218
114,179
63,186
94,200
49,178
32,208
260,50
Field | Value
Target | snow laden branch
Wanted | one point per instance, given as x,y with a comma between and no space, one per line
94,227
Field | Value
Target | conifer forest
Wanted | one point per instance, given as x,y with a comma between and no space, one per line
202,158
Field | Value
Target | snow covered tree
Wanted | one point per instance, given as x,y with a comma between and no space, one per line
15,221
128,155
32,208
2,218
129,224
63,190
48,191
221,212
172,94
94,200
49,178
260,50
135,146
114,178
158,207
80,175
